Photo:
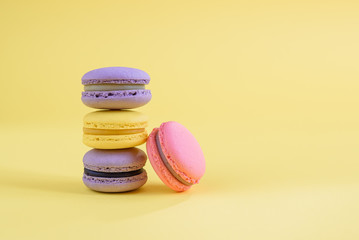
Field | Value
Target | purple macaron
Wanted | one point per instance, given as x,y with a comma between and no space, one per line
115,88
118,170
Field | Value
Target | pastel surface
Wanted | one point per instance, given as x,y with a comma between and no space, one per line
110,96
114,161
182,152
115,120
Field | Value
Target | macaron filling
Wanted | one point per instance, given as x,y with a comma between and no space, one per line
92,131
113,87
166,163
92,173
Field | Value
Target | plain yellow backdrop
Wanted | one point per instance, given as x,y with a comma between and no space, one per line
269,89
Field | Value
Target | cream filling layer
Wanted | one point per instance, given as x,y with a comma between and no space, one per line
113,87
168,166
92,131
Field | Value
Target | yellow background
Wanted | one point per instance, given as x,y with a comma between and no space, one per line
269,89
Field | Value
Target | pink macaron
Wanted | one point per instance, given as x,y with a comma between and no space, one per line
176,156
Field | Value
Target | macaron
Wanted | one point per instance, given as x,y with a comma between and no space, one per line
115,88
176,156
114,129
117,170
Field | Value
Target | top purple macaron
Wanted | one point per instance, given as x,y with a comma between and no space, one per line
115,88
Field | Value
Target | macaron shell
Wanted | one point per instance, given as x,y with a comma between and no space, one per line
115,119
116,160
159,167
182,151
125,99
115,184
114,141
107,74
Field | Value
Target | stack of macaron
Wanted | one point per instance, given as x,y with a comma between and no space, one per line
115,165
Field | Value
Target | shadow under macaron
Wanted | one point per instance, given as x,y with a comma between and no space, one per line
149,198
23,180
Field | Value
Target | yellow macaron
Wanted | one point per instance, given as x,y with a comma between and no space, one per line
114,129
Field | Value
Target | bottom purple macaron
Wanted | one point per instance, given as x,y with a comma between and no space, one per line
118,170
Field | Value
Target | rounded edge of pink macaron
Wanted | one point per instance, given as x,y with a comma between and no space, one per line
158,165
182,163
